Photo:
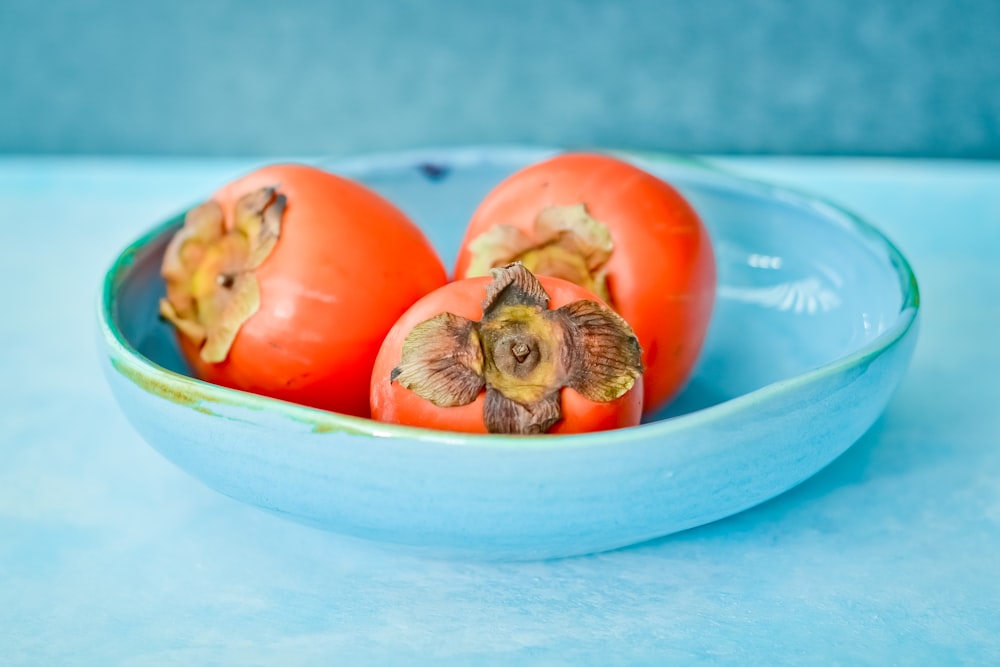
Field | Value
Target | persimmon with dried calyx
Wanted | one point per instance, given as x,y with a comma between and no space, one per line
514,354
285,282
617,230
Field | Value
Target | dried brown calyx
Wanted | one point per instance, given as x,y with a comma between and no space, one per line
209,269
566,242
522,353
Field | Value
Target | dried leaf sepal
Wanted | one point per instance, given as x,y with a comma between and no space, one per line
522,353
209,267
565,242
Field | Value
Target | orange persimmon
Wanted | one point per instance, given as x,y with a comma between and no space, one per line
509,354
618,230
286,281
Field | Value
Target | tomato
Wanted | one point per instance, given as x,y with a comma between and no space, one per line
500,325
287,280
621,232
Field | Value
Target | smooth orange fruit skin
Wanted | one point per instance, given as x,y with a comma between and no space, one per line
395,404
661,275
347,264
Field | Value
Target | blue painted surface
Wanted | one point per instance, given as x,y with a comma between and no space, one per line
320,77
111,555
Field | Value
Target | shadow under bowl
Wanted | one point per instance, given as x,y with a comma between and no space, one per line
813,329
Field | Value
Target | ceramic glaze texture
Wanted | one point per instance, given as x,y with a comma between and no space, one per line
813,328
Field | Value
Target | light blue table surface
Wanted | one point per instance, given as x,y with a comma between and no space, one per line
111,556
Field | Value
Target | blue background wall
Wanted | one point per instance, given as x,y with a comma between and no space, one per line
214,77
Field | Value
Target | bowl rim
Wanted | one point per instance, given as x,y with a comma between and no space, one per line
180,388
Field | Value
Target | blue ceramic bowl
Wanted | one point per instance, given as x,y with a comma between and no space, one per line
813,329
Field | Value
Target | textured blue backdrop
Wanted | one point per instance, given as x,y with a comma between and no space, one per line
902,77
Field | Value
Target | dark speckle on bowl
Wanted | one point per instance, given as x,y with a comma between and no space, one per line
434,171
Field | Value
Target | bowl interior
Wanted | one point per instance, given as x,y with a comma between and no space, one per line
801,283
